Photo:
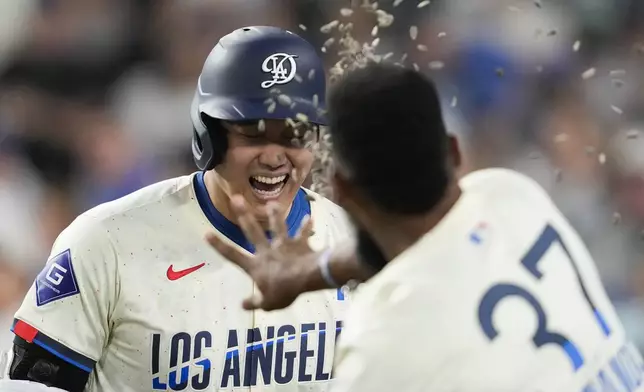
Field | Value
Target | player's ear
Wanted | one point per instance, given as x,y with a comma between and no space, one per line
341,189
454,152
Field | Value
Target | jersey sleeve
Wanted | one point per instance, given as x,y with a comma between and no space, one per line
68,307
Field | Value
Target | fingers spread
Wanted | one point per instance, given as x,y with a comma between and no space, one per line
306,228
253,303
277,223
248,223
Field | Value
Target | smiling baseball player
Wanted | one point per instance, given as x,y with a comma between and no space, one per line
133,299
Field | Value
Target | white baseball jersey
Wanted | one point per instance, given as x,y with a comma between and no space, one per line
133,294
501,296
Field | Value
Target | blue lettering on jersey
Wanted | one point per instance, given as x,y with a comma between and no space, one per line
265,359
57,280
624,372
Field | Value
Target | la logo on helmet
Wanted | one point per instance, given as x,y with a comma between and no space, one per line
282,66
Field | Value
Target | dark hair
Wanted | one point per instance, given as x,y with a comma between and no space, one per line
389,137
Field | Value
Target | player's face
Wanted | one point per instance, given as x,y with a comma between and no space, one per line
266,161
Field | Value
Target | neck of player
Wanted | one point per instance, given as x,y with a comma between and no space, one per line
394,234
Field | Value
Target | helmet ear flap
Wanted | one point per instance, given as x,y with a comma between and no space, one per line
209,142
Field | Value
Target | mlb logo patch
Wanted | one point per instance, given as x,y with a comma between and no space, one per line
56,280
478,234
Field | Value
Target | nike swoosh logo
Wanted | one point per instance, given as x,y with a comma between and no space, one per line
174,275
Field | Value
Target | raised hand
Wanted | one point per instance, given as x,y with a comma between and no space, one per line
282,268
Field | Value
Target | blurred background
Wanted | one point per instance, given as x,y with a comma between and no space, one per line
94,100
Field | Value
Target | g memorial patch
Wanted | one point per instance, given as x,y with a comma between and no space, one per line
56,280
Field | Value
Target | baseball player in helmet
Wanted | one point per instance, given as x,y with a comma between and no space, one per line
133,298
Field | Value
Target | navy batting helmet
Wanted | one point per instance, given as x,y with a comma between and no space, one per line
254,73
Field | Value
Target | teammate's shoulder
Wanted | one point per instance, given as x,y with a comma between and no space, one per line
506,180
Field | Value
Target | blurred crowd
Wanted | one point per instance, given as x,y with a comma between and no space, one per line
94,100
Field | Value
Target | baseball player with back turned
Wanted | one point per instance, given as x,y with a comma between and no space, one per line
483,286
133,299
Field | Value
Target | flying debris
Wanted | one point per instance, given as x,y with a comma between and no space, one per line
589,73
413,32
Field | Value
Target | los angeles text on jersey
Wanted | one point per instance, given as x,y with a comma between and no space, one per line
275,354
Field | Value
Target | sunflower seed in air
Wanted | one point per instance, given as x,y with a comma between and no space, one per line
576,46
617,72
326,29
345,27
416,67
374,31
442,34
436,65
601,158
346,12
284,99
561,138
397,2
413,32
423,3
589,73
311,74
403,58
329,42
323,49
375,42
388,56
301,117
454,101
271,107
269,101
289,121
315,100
303,27
422,48
384,19
261,126
298,78
616,109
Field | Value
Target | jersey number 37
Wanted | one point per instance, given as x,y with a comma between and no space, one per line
543,335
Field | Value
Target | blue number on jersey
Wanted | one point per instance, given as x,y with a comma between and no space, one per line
543,335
